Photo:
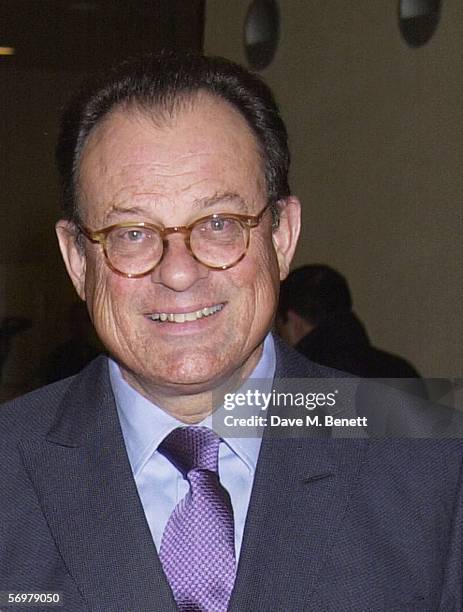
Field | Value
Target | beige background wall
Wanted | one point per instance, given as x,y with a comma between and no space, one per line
376,133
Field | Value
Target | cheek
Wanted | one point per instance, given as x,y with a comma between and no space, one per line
105,295
256,279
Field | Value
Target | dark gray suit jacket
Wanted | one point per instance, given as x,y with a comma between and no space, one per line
334,525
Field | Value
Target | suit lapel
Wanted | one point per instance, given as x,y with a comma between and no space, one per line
85,487
300,495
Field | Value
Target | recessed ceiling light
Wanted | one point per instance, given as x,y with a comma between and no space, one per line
7,50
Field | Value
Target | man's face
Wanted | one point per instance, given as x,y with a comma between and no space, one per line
204,160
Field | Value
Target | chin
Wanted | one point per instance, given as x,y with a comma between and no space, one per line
194,368
193,372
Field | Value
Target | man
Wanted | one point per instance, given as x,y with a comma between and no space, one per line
178,227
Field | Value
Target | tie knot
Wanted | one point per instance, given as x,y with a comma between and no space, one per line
192,447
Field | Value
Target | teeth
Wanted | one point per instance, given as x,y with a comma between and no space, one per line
186,316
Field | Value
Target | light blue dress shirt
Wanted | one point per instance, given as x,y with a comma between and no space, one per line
160,485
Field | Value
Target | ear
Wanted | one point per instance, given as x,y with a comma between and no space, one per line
73,254
300,325
285,237
297,327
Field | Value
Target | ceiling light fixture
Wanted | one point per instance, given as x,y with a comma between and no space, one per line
7,50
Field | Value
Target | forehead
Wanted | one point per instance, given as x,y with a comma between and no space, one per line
205,148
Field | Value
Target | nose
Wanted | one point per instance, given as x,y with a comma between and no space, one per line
178,269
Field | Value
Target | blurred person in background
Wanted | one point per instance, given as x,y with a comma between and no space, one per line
315,316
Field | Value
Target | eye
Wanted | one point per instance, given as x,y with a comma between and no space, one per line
131,235
219,224
135,235
218,230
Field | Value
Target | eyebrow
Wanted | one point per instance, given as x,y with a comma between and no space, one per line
228,197
132,211
222,198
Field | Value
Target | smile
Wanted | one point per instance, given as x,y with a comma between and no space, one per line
181,317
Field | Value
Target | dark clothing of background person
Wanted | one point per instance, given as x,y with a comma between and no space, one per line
341,342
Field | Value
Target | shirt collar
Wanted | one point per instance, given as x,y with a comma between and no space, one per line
145,425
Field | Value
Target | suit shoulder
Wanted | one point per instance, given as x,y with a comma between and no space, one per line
36,411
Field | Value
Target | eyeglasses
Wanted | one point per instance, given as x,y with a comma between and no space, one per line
218,241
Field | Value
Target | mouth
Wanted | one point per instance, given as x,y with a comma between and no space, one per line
184,317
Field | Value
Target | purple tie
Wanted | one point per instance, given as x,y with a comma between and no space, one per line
198,548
